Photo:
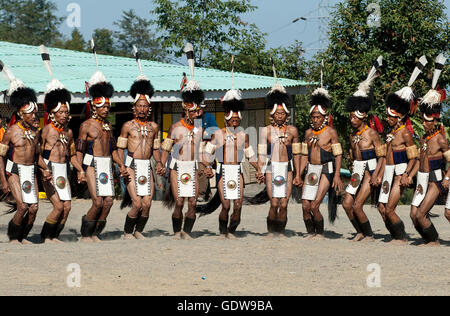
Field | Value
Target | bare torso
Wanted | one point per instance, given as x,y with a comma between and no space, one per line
366,142
324,141
185,141
101,138
397,144
140,144
280,139
24,149
232,143
51,141
432,151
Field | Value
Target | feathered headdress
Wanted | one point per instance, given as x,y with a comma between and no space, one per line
277,96
232,100
142,86
55,93
430,104
362,100
192,95
400,103
19,95
320,98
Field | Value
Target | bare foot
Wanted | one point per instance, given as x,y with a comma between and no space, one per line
139,236
310,236
222,237
177,236
57,241
15,242
431,244
318,237
282,236
86,239
368,239
270,236
26,242
399,242
185,236
48,241
358,237
96,239
128,237
231,236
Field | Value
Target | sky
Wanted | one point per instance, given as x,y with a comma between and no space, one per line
272,16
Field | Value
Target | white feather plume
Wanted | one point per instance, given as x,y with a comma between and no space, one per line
7,72
440,59
322,91
138,60
406,93
432,98
232,95
97,78
14,85
277,87
423,61
192,85
55,84
142,77
364,87
47,63
189,48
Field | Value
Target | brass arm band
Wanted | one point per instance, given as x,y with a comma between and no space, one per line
381,151
167,144
447,155
80,145
262,149
210,149
156,144
296,148
73,150
412,152
336,149
304,149
122,143
249,152
3,150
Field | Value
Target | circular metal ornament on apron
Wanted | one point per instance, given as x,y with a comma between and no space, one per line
279,181
26,187
61,182
103,178
355,181
185,178
142,180
312,179
420,189
385,187
232,185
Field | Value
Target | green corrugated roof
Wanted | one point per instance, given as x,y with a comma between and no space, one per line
73,68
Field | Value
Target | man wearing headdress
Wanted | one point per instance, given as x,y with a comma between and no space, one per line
322,156
95,146
401,157
369,157
229,146
279,158
21,148
433,150
140,137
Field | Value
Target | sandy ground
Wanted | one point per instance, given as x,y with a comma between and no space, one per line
206,266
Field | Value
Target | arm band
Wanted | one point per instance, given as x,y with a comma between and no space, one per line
447,155
262,149
210,148
122,143
157,142
412,152
80,145
73,150
336,149
296,148
167,144
381,150
3,150
304,149
249,152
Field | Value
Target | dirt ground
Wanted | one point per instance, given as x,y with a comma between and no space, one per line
251,265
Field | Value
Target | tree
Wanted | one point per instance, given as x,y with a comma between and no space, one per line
76,42
31,22
407,30
104,42
210,25
134,30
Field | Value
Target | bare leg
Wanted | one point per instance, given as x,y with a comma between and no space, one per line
273,210
177,215
235,218
362,196
324,185
430,234
397,225
226,206
347,204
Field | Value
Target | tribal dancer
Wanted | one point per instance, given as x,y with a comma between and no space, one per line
20,145
95,146
279,158
229,145
184,138
401,157
434,148
366,149
141,138
58,149
322,156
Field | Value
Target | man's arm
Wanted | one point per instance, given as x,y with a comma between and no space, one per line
380,151
4,147
412,154
296,150
336,149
